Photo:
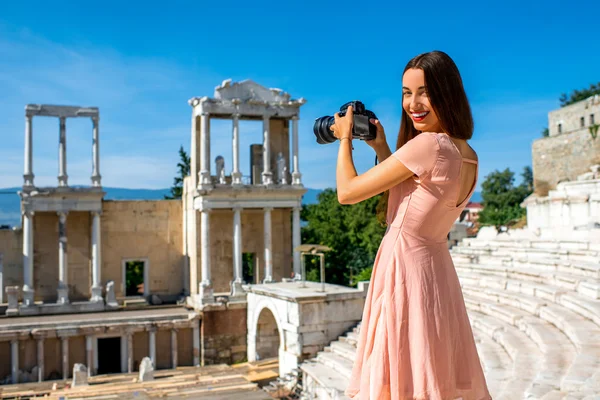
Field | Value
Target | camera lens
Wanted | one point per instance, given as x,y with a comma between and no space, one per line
321,130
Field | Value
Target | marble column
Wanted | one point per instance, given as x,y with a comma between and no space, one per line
296,175
205,178
152,344
236,175
173,348
236,284
89,353
205,289
196,342
62,153
65,357
96,177
96,258
95,347
63,280
14,361
28,258
194,152
1,278
40,359
129,352
296,239
28,173
124,353
267,175
268,246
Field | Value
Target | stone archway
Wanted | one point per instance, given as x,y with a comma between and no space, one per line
265,336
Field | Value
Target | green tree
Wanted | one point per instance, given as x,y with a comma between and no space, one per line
545,132
578,95
184,170
351,231
501,199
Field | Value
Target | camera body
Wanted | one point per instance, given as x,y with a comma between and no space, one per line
362,129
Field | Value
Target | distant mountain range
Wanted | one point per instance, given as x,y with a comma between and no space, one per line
10,205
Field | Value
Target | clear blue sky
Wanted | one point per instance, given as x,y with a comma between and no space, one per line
141,61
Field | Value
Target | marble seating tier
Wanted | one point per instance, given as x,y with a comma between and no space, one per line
534,307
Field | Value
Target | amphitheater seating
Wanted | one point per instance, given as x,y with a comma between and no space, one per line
534,306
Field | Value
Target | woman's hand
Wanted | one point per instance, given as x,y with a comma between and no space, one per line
343,125
380,137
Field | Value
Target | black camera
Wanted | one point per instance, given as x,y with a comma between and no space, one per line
362,128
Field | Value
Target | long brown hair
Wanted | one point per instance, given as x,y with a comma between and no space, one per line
448,100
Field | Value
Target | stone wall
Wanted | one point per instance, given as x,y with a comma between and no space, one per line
144,230
562,158
570,150
225,335
11,248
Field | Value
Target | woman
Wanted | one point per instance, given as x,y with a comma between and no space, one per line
416,340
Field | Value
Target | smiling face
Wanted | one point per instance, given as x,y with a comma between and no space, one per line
415,101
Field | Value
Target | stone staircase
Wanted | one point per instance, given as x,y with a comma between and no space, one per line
534,306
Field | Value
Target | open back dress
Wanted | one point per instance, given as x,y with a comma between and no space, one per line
415,341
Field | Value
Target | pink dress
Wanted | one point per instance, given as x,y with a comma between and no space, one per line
416,340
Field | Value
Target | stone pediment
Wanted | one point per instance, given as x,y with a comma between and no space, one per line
249,91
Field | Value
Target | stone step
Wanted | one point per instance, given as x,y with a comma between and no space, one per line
537,244
581,332
563,254
496,363
323,382
351,338
527,359
336,362
343,349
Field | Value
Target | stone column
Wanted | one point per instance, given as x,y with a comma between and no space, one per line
236,175
129,352
89,352
28,258
194,152
196,342
267,175
63,284
96,177
14,360
173,348
152,344
96,258
236,284
40,359
296,175
62,153
268,246
1,278
28,173
296,239
205,289
205,178
95,346
123,353
65,358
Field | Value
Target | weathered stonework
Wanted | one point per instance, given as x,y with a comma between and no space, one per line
566,154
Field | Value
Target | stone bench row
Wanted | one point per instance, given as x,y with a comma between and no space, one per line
578,268
532,244
498,366
588,308
527,253
559,333
549,283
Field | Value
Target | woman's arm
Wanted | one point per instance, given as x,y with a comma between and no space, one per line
383,152
352,188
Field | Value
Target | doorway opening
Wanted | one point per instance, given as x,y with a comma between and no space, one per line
109,355
249,267
135,274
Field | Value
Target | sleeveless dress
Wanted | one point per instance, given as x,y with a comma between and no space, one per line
415,340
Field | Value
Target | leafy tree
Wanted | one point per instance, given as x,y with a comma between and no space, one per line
545,132
351,231
578,95
184,170
501,199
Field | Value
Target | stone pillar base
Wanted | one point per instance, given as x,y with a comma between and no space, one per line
236,178
63,295
206,294
268,280
96,294
296,176
28,296
237,291
267,178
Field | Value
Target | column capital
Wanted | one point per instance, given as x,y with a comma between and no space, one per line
95,119
98,213
28,213
204,113
269,209
236,115
236,101
295,118
237,207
